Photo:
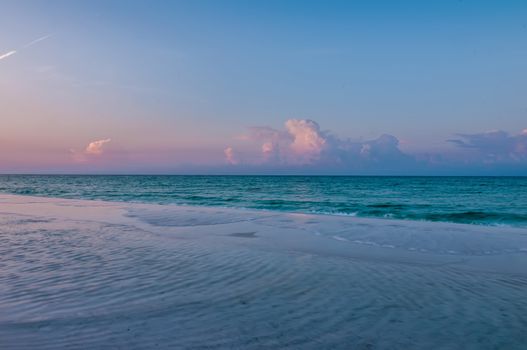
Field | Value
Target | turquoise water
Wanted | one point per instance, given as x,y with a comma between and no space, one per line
472,200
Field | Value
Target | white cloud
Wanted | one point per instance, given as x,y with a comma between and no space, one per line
96,147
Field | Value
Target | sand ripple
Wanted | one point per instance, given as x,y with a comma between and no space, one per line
89,285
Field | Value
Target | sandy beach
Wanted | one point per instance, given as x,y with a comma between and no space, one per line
83,274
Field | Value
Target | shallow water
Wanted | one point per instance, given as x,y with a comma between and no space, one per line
473,200
90,275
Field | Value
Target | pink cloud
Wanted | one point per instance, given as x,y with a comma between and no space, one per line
303,143
230,157
268,149
96,147
308,142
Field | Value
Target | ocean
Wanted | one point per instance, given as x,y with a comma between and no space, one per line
495,201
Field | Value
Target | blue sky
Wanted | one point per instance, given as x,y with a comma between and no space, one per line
174,84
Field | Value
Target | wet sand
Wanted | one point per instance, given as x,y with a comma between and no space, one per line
90,274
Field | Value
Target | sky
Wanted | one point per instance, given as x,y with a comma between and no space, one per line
270,87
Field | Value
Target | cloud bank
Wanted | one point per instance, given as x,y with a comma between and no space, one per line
495,146
302,145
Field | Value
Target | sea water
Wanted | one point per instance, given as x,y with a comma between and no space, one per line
471,200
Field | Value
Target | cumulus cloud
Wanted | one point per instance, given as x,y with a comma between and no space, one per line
300,142
307,139
303,143
495,146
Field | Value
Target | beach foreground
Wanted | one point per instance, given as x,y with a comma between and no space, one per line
82,274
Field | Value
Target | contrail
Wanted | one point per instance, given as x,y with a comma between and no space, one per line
10,53
36,41
6,55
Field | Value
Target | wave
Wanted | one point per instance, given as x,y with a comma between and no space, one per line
480,201
478,216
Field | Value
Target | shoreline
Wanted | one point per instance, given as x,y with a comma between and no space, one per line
376,236
264,210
